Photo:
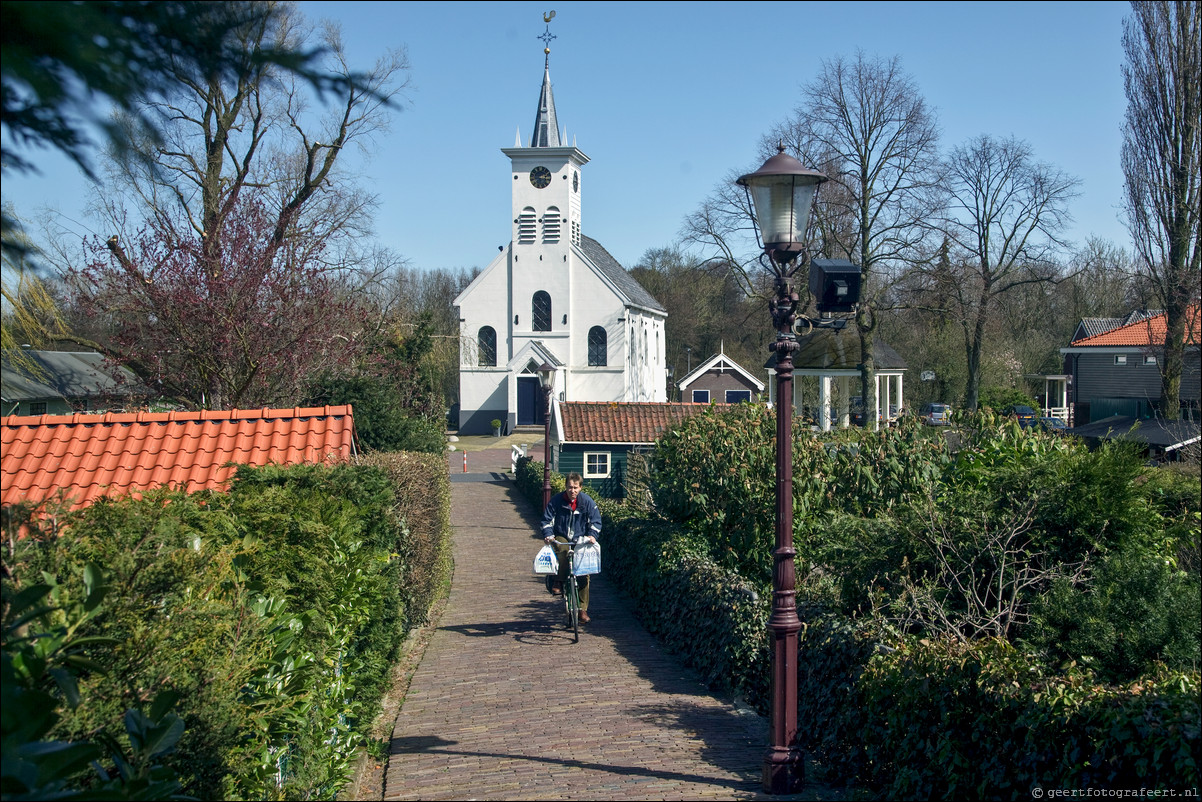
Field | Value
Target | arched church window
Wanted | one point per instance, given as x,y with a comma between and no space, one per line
486,347
551,224
527,226
598,347
540,311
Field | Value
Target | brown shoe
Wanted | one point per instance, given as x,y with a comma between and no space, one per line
584,619
556,589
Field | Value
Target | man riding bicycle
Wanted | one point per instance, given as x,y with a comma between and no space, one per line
570,516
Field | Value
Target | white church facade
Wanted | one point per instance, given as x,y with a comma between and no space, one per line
554,296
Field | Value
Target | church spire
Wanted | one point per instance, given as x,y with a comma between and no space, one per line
546,127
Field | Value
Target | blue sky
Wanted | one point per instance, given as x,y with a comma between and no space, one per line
667,98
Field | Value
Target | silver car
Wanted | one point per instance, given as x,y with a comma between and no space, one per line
936,414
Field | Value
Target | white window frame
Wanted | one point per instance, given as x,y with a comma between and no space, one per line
1150,360
587,474
696,393
1120,359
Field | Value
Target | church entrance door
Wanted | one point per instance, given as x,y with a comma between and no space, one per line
530,402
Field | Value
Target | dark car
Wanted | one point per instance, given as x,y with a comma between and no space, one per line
1053,425
933,414
1025,415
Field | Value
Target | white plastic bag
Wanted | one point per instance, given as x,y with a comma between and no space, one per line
545,562
587,560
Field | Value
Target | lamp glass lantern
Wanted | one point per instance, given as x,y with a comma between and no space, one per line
546,375
782,194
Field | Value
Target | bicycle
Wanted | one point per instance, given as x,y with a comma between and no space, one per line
571,589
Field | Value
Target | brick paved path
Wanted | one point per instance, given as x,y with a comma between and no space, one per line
505,706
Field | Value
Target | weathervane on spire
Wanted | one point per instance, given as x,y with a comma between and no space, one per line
547,36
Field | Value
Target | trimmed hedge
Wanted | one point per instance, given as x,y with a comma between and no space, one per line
274,611
908,718
948,721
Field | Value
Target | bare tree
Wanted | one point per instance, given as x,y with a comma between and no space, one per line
1003,214
985,575
864,122
244,194
1162,165
724,223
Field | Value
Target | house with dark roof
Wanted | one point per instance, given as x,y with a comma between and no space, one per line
720,378
1116,371
81,458
596,439
1160,440
553,296
62,382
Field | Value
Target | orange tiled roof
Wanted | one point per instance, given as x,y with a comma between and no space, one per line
1148,332
89,456
620,422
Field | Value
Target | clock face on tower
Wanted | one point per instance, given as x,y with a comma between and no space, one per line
540,177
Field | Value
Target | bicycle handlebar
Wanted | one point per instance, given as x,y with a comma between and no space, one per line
574,544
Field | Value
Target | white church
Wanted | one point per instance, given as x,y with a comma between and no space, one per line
553,296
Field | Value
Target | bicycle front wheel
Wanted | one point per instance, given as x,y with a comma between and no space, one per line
571,597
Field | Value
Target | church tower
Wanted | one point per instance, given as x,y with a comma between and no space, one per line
553,296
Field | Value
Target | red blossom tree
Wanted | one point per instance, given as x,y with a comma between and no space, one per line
244,324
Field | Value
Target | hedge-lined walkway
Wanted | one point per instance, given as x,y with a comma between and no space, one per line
505,706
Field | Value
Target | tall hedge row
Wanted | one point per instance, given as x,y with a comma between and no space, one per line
271,614
1095,558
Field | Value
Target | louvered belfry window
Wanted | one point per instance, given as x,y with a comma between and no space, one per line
486,342
527,226
598,347
551,224
540,311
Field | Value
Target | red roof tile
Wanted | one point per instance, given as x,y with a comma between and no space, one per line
89,456
1146,332
620,422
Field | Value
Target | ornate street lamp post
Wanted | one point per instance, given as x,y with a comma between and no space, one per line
546,378
782,192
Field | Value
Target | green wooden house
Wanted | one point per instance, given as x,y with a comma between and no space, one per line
64,382
596,438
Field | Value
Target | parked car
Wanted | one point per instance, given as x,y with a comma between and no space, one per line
856,412
1026,416
1054,425
933,414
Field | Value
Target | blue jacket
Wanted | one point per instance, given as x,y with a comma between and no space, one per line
560,519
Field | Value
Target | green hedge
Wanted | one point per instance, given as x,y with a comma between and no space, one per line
952,721
274,611
901,717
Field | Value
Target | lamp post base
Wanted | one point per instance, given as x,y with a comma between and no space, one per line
784,771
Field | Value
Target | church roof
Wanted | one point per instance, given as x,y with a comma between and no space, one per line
546,127
614,271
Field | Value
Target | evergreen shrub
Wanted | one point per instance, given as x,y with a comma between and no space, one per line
274,611
946,720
